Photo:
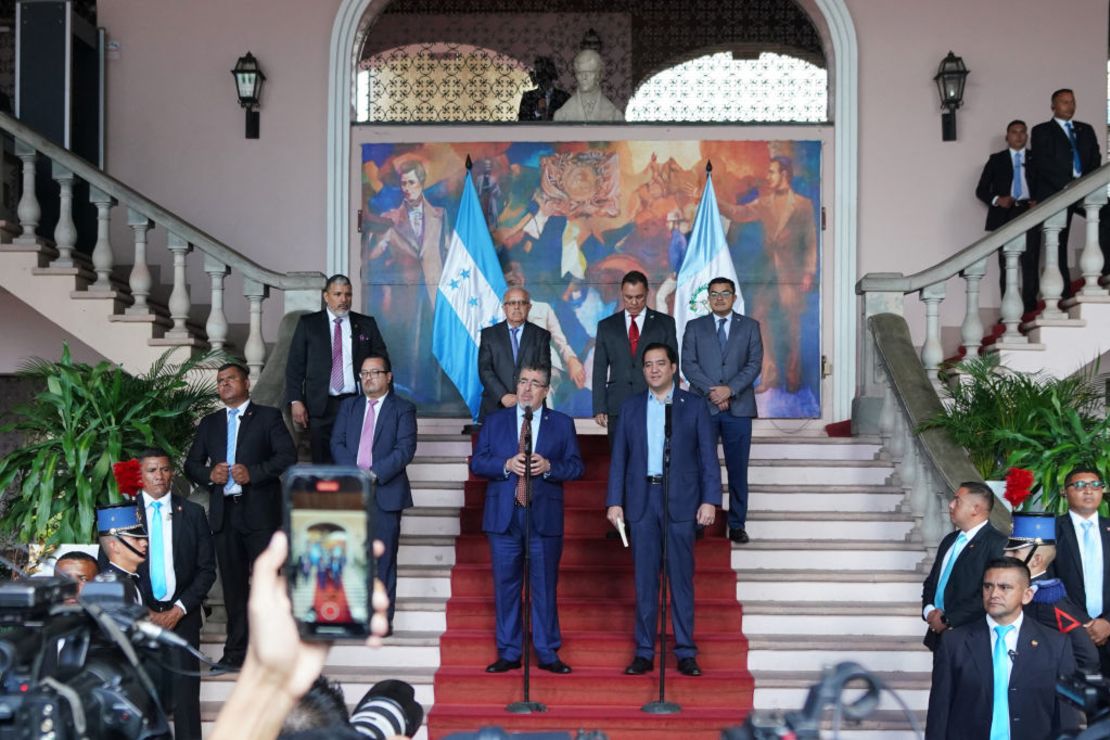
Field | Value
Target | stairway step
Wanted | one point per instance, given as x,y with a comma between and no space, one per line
768,525
355,681
590,614
824,624
859,498
575,580
808,585
833,554
414,649
812,653
786,690
591,550
606,650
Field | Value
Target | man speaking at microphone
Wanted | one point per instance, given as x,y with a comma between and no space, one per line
636,496
500,457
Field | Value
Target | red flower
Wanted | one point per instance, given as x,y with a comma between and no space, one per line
128,477
1018,483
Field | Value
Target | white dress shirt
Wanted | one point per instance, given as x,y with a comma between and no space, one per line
167,539
1011,640
639,319
1064,127
1077,523
345,336
235,488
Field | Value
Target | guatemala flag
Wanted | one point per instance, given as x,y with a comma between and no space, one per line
707,257
469,298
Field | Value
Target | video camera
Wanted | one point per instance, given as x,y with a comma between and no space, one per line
1091,694
71,670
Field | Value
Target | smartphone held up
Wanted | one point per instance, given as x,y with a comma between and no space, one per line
331,566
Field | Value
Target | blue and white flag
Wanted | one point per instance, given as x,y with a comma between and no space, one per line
707,257
469,298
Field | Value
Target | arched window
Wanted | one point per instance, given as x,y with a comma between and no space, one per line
719,87
439,82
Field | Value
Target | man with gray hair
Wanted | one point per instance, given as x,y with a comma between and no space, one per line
587,103
507,346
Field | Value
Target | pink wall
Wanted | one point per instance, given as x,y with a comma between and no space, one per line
176,132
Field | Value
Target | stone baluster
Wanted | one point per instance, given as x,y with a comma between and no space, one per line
1012,305
102,258
255,349
971,331
907,472
1090,260
28,210
931,351
886,421
931,531
217,320
140,272
1052,282
920,495
179,297
65,232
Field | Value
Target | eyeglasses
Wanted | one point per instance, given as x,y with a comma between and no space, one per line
720,294
372,373
1081,485
524,383
516,304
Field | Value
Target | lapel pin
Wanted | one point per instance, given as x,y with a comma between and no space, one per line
1034,643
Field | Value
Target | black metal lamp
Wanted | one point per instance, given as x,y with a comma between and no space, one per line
950,80
248,86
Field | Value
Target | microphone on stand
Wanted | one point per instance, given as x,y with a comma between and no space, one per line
667,418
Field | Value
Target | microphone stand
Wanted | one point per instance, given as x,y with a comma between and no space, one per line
527,706
661,705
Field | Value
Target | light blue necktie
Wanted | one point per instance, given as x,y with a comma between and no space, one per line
1092,571
516,342
722,338
232,415
1015,189
957,548
1000,716
1077,166
157,554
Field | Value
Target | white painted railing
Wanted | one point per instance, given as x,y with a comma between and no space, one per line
301,290
885,292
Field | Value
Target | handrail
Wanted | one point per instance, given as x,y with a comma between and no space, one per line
1074,192
148,208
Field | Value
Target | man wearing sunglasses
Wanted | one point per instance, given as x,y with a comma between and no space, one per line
1082,549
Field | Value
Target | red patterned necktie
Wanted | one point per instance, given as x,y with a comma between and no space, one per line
525,431
633,335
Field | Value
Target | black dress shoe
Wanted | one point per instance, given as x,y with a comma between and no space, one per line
501,665
227,665
739,536
689,667
555,666
639,666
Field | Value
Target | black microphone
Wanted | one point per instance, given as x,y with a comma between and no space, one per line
667,419
1013,654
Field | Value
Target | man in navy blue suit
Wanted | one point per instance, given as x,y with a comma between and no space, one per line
636,496
500,458
377,432
722,354
996,677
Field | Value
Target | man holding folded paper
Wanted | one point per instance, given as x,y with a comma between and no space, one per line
636,496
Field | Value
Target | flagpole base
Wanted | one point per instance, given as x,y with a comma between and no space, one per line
661,707
525,707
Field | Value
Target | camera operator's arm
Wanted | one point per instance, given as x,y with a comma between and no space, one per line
279,667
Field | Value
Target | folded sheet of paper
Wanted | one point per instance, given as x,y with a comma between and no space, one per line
620,528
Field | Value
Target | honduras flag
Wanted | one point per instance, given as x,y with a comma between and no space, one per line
469,298
707,257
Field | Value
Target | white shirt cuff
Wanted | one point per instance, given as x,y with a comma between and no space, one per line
181,606
926,610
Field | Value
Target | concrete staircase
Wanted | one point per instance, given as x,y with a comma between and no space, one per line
829,575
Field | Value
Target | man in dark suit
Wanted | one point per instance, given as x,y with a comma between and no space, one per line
377,432
499,457
325,355
1004,187
619,349
1033,542
951,595
635,495
996,677
722,353
1083,555
507,346
179,570
1063,150
239,454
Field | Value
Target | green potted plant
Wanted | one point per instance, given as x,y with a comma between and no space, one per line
86,418
994,413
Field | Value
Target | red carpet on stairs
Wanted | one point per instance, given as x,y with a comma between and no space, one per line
596,603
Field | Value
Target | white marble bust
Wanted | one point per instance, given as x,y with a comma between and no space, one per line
587,103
